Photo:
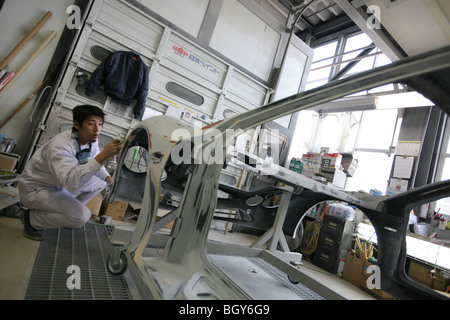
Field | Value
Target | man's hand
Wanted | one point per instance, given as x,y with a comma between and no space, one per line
110,150
109,180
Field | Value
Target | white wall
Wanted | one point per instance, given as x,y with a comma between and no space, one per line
246,39
238,34
17,18
187,15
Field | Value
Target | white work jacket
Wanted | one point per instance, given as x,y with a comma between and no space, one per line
55,164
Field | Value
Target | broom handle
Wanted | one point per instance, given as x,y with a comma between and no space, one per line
29,61
22,105
25,40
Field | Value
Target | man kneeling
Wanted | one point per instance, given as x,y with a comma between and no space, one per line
64,174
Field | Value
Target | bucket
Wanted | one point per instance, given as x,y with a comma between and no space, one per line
421,229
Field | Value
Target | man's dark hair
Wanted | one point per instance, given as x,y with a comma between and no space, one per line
81,113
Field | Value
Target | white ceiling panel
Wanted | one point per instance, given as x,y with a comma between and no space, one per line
417,25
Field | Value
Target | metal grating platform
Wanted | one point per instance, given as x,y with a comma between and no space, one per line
87,248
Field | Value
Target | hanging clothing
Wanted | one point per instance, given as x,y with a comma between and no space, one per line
124,77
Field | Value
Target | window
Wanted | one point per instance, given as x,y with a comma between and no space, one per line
321,68
361,134
372,134
373,172
443,205
328,60
354,45
357,132
431,252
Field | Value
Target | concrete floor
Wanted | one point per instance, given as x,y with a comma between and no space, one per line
17,256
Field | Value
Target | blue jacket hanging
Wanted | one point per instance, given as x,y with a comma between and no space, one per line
124,77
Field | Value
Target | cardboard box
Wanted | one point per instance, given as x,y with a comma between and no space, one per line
353,269
317,158
308,171
331,160
116,210
377,293
94,205
296,165
351,168
421,273
376,192
336,177
8,161
161,213
349,164
306,157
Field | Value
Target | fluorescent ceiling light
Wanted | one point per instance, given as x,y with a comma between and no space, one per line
401,100
370,102
347,104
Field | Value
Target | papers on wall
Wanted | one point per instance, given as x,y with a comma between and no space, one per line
148,113
187,114
396,186
174,111
117,108
405,154
403,167
408,148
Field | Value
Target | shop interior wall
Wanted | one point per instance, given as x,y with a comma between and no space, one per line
19,21
17,18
